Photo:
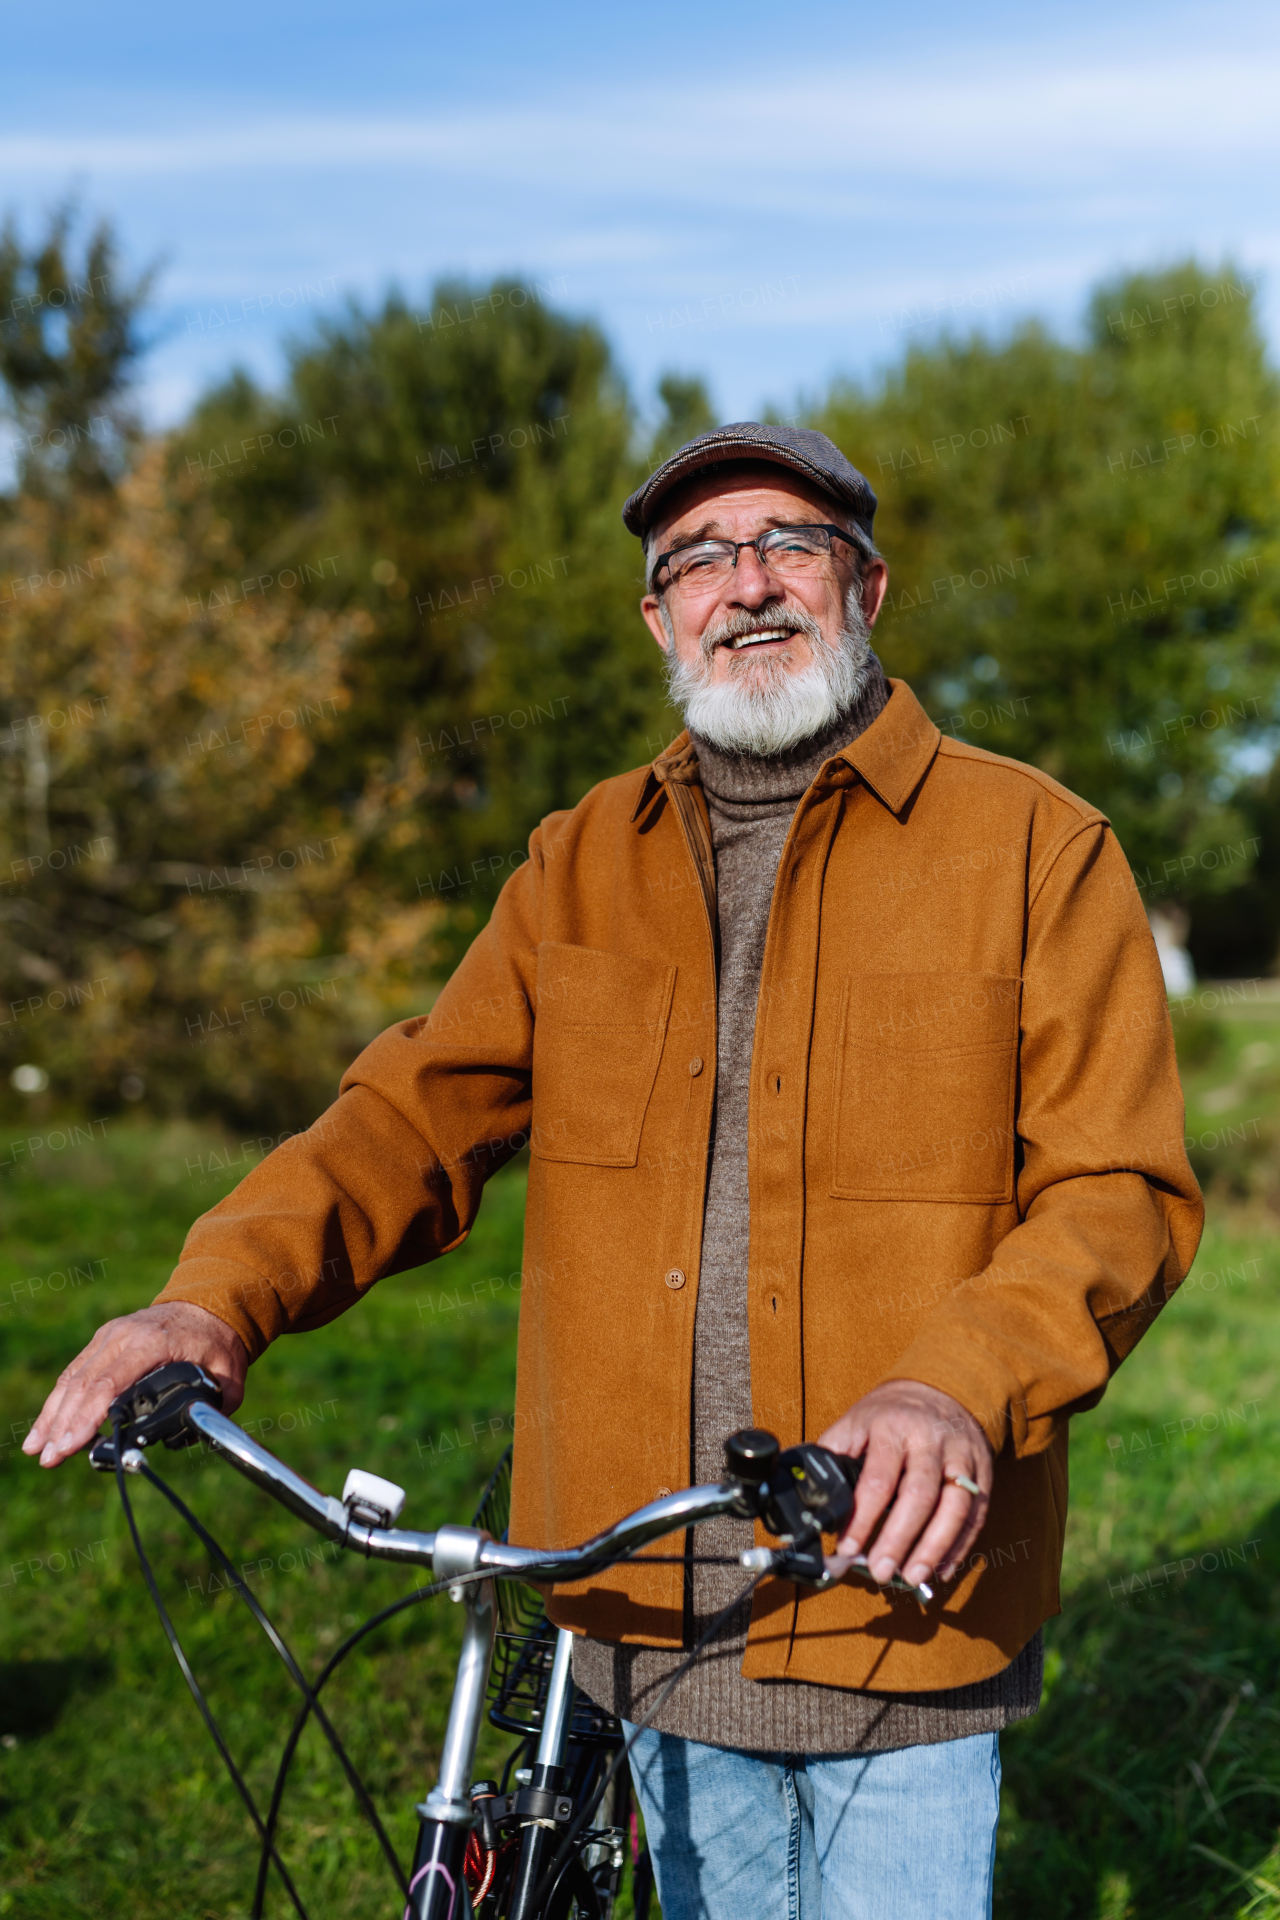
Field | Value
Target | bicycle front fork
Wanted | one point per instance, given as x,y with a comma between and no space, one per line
437,1890
540,1836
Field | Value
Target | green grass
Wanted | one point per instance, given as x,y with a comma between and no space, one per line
1160,1734
1229,1052
114,1800
1149,1783
1148,1786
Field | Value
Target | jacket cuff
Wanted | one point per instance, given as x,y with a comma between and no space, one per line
983,1387
234,1294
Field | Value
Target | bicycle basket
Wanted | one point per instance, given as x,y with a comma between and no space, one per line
525,1642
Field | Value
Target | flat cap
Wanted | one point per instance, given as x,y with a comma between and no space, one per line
802,449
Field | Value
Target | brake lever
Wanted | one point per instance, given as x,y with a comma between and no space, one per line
823,1571
154,1408
800,1495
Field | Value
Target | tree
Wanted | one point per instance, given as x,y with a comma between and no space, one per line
174,919
1081,543
178,919
465,467
281,698
70,338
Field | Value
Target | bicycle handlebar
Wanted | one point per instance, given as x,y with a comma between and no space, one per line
798,1495
454,1550
450,1550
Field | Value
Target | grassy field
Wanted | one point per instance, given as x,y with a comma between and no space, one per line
1149,1785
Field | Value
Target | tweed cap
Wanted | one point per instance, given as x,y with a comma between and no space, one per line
802,449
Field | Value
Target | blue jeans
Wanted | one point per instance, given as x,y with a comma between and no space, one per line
908,1834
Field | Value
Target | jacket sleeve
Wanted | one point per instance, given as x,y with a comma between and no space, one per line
1109,1211
392,1174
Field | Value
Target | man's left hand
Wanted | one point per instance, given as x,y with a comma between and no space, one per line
914,1440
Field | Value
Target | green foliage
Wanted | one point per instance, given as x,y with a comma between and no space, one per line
1081,547
1147,1784
418,540
465,469
1228,1040
687,414
176,921
69,341
417,1386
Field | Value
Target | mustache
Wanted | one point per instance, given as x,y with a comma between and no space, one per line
768,620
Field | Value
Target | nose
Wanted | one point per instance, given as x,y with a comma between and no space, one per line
752,584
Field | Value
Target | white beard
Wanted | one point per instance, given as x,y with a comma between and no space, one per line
764,709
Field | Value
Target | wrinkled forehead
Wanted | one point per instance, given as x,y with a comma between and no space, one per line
720,499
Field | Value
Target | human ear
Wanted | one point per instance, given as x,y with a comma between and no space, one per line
875,583
651,611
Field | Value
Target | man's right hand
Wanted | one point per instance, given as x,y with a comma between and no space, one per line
120,1353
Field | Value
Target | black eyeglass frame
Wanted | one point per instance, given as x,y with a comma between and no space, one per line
803,526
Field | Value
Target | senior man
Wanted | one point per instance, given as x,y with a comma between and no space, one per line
842,1054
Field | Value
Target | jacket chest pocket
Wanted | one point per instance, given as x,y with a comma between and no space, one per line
925,1084
598,1033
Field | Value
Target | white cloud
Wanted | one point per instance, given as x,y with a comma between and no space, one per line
841,130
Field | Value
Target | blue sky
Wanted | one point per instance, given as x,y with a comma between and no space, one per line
761,195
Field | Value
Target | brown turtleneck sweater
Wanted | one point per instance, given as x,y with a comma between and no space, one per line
751,803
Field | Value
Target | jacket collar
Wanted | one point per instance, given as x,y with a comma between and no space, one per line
897,749
676,763
892,755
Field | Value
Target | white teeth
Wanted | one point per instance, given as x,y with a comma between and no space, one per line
754,639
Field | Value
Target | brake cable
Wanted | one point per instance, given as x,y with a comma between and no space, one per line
291,1666
192,1683
286,1759
353,1640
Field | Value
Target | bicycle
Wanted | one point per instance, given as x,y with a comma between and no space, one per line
484,1851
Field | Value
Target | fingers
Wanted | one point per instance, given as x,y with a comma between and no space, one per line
956,1522
917,1502
916,1444
120,1353
61,1414
945,1542
115,1357
951,1560
883,1462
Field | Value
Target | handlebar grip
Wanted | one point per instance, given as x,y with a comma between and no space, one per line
849,1467
155,1407
799,1493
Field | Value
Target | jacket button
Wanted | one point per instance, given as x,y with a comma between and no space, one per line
663,1493
695,1065
675,1277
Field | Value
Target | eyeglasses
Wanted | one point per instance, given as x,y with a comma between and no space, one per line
788,552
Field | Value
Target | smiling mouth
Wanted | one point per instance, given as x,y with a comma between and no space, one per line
760,637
